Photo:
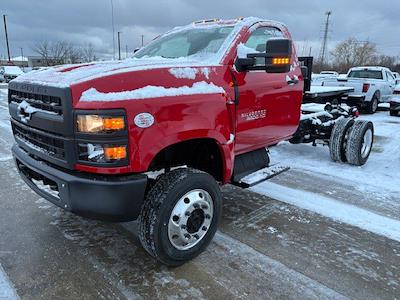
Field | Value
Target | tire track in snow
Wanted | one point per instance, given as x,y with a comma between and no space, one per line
333,209
249,274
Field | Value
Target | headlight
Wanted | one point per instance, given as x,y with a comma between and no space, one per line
99,153
99,124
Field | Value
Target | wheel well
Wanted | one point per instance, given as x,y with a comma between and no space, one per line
201,154
377,94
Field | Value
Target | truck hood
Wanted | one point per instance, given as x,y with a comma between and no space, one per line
68,75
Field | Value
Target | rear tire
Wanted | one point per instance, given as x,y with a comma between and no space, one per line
394,113
180,216
337,142
372,106
359,143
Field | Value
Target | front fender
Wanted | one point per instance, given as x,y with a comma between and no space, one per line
181,119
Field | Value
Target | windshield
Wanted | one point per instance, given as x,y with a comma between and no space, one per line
366,74
199,41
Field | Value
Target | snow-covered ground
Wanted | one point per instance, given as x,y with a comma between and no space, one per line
380,174
379,178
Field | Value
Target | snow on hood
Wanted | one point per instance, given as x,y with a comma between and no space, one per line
151,92
64,76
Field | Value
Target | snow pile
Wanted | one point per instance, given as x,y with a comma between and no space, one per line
327,89
152,92
189,73
7,290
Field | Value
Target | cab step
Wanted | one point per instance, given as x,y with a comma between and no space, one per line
261,175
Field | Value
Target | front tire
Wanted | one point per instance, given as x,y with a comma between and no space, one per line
180,216
359,143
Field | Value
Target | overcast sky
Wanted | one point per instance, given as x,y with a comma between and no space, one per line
82,21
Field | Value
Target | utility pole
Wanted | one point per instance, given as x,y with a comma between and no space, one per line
126,51
22,58
8,46
113,27
325,39
119,45
142,40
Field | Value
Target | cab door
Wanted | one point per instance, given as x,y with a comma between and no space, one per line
269,103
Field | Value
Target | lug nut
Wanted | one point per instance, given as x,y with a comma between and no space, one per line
196,236
204,228
208,216
187,236
196,205
204,206
187,214
183,226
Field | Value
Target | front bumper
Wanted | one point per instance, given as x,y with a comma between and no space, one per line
108,198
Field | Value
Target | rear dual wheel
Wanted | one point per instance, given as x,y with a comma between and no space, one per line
359,143
180,216
351,141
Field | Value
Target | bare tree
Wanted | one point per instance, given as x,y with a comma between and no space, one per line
352,52
43,49
387,61
88,54
59,52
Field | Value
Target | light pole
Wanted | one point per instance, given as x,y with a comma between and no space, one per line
22,58
113,28
8,46
119,45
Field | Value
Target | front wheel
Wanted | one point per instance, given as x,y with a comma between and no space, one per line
180,216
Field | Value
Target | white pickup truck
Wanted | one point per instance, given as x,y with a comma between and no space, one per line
371,86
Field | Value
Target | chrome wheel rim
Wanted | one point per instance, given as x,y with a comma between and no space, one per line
190,219
367,143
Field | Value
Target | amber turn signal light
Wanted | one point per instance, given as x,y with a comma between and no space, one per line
115,153
97,123
114,123
280,61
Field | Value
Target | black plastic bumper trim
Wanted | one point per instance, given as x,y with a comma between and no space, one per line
107,198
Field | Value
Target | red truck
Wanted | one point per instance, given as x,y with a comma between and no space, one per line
153,137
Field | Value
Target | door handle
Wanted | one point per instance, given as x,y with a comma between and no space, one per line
291,81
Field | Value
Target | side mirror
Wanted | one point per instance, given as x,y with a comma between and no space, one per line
278,56
244,64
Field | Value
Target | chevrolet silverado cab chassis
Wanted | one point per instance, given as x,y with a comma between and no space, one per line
152,137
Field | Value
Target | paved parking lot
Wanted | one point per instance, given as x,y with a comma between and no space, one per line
307,234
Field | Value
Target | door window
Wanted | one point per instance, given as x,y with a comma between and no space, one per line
260,36
258,40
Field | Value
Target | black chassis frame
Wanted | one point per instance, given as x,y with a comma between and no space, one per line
309,132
